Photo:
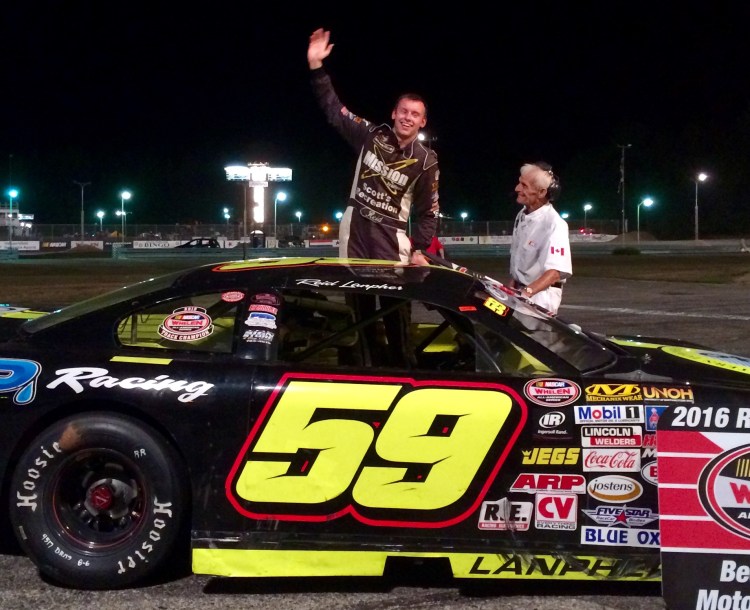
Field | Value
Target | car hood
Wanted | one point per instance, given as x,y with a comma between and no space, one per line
681,360
13,317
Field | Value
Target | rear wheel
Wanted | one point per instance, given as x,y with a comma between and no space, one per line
98,500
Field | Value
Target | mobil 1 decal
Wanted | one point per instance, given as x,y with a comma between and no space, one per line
704,499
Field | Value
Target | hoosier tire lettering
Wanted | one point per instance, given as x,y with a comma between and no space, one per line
97,501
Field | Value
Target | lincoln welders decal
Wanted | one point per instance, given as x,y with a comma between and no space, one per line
388,452
552,392
187,324
724,490
19,377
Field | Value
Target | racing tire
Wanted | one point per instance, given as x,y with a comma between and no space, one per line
98,501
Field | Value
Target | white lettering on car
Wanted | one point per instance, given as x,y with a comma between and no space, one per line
98,377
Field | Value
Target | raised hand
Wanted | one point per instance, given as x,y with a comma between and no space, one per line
319,48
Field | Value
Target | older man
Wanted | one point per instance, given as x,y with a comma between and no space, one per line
540,260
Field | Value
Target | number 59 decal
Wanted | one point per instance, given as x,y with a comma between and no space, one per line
390,452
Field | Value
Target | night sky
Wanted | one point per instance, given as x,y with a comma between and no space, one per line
158,98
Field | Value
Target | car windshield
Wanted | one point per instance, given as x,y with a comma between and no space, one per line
566,342
100,302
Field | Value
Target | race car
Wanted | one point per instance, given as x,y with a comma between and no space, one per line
323,417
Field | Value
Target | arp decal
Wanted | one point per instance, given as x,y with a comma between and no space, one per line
386,451
724,490
552,392
187,324
19,377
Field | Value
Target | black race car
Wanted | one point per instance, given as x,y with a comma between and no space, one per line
308,416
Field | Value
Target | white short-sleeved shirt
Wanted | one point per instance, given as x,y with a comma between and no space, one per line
540,242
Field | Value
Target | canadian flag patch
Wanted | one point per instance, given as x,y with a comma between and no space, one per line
554,250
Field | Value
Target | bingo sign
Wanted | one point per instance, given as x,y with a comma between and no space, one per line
703,466
187,324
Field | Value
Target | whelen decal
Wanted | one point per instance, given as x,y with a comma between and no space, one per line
552,392
387,451
187,324
724,490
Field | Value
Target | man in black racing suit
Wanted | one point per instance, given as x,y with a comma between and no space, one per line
396,175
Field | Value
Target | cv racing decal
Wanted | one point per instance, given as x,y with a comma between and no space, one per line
387,451
187,324
19,377
552,392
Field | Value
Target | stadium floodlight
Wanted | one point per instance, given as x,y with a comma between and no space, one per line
257,176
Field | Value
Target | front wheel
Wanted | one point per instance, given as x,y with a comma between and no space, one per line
98,500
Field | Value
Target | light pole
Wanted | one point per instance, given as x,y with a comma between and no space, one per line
464,216
123,196
100,216
699,178
586,208
648,202
226,215
83,185
621,188
280,196
12,194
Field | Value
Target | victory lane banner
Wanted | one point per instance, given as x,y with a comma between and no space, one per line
703,466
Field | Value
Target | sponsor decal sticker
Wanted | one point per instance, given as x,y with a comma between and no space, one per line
556,511
609,414
617,460
552,392
615,536
614,392
19,377
232,296
505,515
611,436
186,324
626,516
649,473
545,456
652,418
614,488
533,483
